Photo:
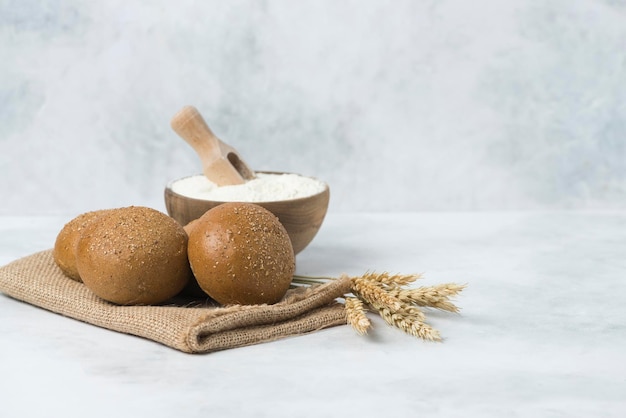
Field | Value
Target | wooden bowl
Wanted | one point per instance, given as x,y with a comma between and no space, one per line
302,217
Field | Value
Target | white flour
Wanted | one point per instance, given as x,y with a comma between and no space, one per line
264,188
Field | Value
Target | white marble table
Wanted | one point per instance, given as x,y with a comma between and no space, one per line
542,332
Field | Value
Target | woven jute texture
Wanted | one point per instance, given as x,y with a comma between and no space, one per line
190,328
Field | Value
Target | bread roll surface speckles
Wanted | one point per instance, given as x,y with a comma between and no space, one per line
134,256
240,253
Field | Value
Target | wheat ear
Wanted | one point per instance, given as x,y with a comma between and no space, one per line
432,296
392,280
355,315
409,322
373,293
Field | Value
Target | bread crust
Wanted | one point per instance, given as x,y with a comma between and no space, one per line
64,252
134,256
240,253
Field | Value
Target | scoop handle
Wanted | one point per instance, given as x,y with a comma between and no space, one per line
191,126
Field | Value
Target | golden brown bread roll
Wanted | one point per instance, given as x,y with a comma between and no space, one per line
241,254
64,252
134,256
191,225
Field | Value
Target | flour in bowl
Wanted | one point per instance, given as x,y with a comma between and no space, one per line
266,187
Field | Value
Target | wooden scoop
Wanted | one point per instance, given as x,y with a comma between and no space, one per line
220,162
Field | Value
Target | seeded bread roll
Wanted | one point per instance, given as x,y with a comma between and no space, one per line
241,254
64,252
134,256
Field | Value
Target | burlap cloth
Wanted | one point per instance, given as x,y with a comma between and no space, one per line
37,280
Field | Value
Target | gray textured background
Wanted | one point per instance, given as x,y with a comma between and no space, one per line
404,105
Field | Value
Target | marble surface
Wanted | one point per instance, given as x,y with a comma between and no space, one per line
542,331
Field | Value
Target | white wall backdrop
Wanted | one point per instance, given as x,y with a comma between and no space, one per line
403,105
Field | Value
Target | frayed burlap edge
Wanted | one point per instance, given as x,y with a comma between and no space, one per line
37,280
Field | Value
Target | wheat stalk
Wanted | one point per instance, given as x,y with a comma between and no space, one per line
373,294
432,296
376,291
393,280
409,322
398,306
355,315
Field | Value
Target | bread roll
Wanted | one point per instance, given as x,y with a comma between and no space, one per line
241,254
191,225
64,252
134,256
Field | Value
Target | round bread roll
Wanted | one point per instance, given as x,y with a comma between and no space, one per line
134,256
64,252
241,254
191,225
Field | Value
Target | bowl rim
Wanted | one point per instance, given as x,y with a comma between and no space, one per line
168,188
